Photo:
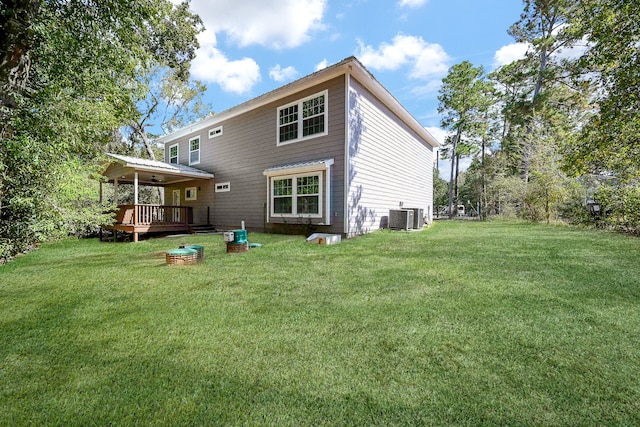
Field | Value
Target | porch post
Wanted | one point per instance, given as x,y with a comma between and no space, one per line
115,191
135,188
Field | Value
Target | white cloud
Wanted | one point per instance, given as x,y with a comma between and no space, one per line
512,52
444,165
575,51
280,74
432,87
509,53
278,24
427,60
211,65
412,3
438,133
322,64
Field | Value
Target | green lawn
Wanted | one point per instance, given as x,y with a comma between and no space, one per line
465,323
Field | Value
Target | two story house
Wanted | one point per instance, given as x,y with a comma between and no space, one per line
334,151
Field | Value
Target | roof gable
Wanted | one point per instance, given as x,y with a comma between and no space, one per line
349,66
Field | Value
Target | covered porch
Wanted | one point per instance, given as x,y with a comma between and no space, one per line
140,218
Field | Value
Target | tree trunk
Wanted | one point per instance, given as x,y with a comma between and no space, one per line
454,148
483,197
16,40
457,192
139,129
528,139
147,144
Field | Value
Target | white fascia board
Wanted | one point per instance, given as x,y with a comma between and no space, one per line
292,88
347,66
369,81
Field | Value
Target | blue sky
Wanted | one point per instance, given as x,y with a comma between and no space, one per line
254,46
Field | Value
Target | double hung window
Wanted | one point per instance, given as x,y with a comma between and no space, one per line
303,119
173,154
194,151
297,195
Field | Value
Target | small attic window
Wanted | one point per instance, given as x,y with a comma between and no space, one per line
223,187
215,132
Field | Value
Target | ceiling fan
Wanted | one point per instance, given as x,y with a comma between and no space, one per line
154,179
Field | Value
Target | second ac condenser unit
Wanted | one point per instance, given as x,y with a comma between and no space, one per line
401,219
418,218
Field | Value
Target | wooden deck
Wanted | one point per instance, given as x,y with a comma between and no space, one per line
136,219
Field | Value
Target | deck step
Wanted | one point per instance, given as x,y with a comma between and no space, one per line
203,229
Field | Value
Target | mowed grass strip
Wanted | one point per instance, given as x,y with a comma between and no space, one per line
502,323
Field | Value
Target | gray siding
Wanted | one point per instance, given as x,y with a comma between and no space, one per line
248,146
201,206
388,164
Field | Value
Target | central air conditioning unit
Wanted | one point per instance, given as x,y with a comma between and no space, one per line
401,219
418,218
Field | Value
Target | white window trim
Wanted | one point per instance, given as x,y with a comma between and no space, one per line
193,191
197,138
300,119
324,166
294,196
220,187
216,132
177,153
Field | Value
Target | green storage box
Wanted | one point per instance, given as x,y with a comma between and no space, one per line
239,236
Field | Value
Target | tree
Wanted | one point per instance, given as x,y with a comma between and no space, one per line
171,102
609,142
459,101
440,190
16,38
69,77
541,27
512,85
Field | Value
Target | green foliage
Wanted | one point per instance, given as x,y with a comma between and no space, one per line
611,65
74,207
460,96
463,103
620,206
538,111
70,78
440,190
507,195
170,102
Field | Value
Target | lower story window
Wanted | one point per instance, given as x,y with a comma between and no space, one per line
191,193
297,195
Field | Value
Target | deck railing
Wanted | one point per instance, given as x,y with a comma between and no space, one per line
153,214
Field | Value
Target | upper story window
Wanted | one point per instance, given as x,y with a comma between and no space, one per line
215,132
303,119
194,150
173,153
223,187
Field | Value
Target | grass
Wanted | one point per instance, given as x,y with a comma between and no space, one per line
499,323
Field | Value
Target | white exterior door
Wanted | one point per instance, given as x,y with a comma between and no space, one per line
176,202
